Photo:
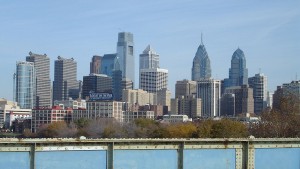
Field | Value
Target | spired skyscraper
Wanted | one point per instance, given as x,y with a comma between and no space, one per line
149,59
238,73
201,64
125,53
43,82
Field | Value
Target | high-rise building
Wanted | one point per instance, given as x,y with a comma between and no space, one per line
238,73
201,64
43,82
237,100
260,92
137,96
95,65
65,79
209,90
152,80
125,53
25,87
117,81
149,59
163,97
107,64
185,88
98,83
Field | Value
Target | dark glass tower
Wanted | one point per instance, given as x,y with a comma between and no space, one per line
117,81
238,73
201,64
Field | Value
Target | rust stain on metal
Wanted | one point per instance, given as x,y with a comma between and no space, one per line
226,142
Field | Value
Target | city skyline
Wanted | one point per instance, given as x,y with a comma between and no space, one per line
267,33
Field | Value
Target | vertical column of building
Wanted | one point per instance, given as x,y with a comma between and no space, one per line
65,83
25,85
43,82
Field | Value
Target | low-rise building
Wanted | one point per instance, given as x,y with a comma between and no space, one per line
176,118
130,116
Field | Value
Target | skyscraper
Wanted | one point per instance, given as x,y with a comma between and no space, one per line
125,52
238,73
149,59
260,92
65,79
201,64
209,90
95,65
43,82
25,88
107,64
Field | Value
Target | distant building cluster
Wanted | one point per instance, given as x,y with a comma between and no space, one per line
109,91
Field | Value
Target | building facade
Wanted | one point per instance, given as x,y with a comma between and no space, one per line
107,64
190,106
44,116
149,59
65,81
238,73
185,88
209,90
95,65
25,85
43,82
243,101
97,83
125,53
153,80
201,64
260,92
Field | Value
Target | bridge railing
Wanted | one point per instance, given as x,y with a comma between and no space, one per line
56,153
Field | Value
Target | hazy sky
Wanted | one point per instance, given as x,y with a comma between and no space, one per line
267,31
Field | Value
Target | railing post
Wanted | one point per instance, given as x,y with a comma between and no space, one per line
110,156
180,155
248,155
32,155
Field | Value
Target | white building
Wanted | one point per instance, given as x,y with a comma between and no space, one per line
176,118
153,80
74,104
9,111
209,90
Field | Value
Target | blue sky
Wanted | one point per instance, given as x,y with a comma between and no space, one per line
267,31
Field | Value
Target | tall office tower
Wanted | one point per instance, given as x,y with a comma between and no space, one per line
117,81
278,94
153,80
241,99
185,88
137,96
260,92
149,59
163,97
43,82
65,79
201,64
209,90
107,64
125,52
238,73
25,87
98,83
95,65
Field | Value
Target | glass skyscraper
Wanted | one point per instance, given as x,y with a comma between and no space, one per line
201,64
125,53
43,82
238,73
107,64
24,80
